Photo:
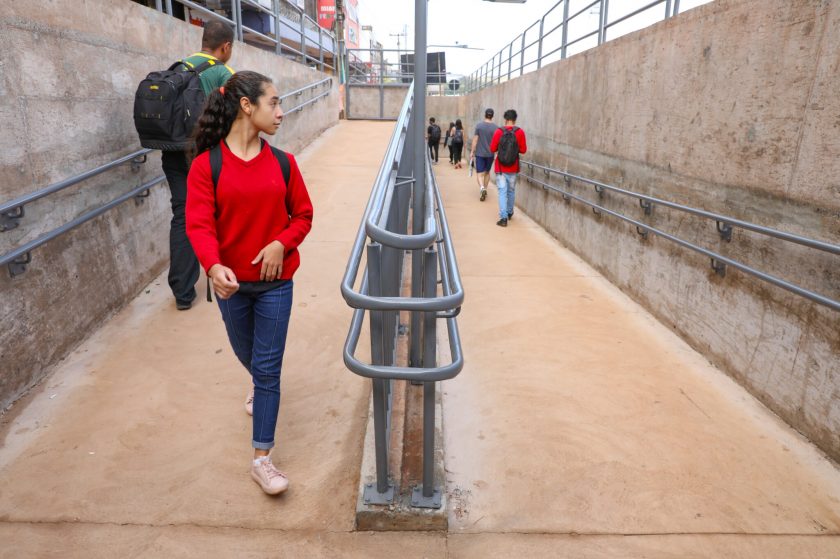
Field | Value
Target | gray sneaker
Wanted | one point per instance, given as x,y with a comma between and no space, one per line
249,402
272,480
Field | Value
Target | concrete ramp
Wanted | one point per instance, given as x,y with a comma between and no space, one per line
580,427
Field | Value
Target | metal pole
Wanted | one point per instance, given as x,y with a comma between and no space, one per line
418,114
539,48
169,7
236,12
565,29
159,5
667,9
302,39
522,56
321,47
676,7
278,49
510,58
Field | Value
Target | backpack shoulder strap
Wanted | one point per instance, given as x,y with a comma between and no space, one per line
215,165
285,165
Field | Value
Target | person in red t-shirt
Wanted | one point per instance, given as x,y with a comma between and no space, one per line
506,170
245,231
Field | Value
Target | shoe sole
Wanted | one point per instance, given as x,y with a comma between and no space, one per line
266,491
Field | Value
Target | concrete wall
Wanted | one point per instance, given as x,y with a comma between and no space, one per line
370,102
69,72
731,107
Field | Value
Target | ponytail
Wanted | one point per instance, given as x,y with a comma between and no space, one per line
222,108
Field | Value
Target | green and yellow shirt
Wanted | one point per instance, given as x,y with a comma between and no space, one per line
213,77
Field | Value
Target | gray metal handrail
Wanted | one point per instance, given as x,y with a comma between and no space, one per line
718,261
492,71
18,258
300,91
720,218
12,211
279,20
383,232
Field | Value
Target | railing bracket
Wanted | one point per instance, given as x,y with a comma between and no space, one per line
137,162
18,265
11,219
141,196
725,230
422,502
600,190
646,205
374,497
719,267
596,211
642,232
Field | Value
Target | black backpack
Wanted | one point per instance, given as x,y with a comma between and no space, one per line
508,147
435,135
458,136
216,171
167,106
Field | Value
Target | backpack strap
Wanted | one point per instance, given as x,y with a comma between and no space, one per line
285,165
215,165
197,69
215,172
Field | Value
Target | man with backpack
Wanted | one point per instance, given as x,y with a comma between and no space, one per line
433,138
508,142
166,109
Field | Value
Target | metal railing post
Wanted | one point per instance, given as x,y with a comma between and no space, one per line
278,48
159,5
540,44
510,58
428,496
667,9
522,56
169,7
236,12
676,9
565,39
602,22
321,48
302,39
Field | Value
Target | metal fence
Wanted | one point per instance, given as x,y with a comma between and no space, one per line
390,68
385,239
724,225
284,26
566,29
13,211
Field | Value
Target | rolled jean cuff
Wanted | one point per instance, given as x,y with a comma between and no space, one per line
262,446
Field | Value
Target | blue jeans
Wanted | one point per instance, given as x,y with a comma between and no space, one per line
256,326
506,183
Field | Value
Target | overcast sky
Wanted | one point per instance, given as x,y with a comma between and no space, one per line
487,25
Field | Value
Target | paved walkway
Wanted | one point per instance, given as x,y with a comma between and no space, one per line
580,427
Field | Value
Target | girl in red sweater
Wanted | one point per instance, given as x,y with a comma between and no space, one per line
245,231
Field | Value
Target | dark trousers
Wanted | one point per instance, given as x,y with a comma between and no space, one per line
183,265
433,150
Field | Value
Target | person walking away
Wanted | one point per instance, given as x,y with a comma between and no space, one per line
448,142
508,143
433,138
480,154
216,46
457,138
248,210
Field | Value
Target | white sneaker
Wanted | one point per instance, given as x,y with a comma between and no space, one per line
249,402
272,480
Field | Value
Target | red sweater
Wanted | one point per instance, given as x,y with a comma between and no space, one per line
255,207
494,147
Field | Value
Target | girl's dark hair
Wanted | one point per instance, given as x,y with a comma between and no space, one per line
451,124
220,110
458,125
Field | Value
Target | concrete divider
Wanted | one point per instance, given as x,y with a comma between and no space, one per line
70,72
732,108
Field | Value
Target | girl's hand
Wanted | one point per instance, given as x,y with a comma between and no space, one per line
272,261
224,281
